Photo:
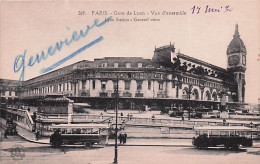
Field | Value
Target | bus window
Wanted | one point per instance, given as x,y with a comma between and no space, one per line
224,133
69,131
88,131
242,133
83,131
95,131
78,131
232,133
74,131
215,133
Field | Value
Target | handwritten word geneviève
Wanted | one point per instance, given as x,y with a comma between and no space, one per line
20,62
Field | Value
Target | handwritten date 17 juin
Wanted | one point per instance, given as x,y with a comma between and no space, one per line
209,9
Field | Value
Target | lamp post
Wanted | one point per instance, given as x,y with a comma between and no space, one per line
251,126
116,105
189,93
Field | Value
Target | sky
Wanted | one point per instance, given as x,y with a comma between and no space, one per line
35,26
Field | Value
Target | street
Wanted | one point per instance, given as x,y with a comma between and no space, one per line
16,150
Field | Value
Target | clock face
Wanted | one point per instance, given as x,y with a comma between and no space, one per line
244,60
233,60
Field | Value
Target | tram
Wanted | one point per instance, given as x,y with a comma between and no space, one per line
86,134
227,136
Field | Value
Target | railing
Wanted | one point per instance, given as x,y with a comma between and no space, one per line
26,121
29,121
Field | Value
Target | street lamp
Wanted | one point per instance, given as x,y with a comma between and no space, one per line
251,126
189,93
116,106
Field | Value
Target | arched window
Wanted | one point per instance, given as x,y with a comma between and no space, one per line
195,95
207,96
215,96
185,93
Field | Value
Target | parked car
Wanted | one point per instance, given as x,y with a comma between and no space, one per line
175,112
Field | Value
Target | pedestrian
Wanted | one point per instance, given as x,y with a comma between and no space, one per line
124,137
7,121
122,114
120,138
224,122
6,133
37,135
11,120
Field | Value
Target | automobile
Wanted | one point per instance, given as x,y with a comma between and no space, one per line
231,111
11,129
176,112
245,111
213,114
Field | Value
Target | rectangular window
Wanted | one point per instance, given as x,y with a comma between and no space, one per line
173,84
93,84
139,85
114,85
139,65
160,86
103,85
67,86
149,85
128,65
71,86
83,84
141,75
127,85
115,65
104,64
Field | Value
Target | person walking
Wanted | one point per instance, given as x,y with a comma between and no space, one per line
37,135
124,137
6,133
120,138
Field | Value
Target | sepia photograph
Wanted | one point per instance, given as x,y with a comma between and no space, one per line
130,82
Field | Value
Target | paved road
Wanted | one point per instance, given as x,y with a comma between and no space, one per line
28,153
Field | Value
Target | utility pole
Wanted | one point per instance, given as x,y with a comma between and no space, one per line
116,146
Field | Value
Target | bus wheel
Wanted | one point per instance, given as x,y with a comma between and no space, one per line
87,145
235,147
227,146
52,145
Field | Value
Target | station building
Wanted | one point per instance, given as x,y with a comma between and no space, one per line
169,79
8,91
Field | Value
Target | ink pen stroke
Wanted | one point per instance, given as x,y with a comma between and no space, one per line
20,62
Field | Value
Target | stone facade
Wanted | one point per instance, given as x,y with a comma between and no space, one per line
168,79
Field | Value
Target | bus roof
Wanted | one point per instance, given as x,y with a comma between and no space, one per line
80,126
223,128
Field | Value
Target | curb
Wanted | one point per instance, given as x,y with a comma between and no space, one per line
32,141
153,145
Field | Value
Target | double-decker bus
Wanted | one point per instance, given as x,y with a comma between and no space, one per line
228,136
86,134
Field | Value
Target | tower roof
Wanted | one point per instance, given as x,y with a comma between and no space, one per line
236,45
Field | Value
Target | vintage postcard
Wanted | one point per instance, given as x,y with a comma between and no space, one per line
171,81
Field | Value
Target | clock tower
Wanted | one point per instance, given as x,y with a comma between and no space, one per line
236,54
